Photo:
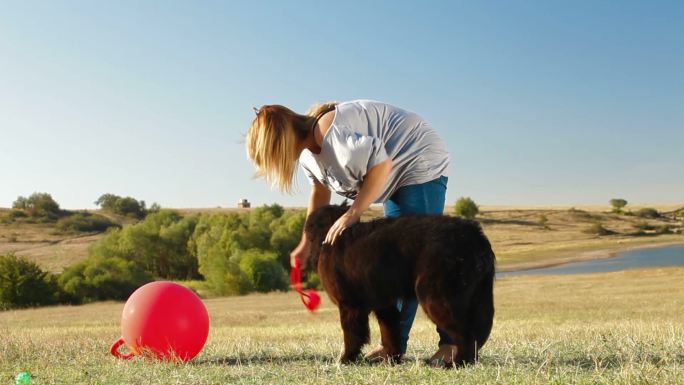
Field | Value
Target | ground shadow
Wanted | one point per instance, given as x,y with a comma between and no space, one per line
266,359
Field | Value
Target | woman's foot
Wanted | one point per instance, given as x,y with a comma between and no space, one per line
444,356
376,354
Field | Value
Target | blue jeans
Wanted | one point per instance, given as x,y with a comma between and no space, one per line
424,198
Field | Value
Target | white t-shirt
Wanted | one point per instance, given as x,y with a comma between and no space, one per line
364,133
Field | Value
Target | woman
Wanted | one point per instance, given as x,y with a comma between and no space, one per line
364,150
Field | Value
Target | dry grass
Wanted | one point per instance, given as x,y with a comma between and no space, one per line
611,328
43,244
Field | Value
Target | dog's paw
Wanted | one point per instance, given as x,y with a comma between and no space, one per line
394,359
349,359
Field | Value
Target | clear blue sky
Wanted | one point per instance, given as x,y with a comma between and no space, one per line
539,102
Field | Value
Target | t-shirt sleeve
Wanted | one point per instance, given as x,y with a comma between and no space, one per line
361,153
309,175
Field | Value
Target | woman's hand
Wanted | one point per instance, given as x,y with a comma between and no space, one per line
300,252
346,220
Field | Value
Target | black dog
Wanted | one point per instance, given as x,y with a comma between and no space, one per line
445,262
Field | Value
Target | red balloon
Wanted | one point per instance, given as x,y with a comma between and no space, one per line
164,320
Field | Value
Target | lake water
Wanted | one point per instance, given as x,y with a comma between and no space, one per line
636,259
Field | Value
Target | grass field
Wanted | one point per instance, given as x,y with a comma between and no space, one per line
610,328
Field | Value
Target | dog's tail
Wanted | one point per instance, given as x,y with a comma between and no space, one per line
482,305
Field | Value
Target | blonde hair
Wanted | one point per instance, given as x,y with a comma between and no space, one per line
273,142
317,109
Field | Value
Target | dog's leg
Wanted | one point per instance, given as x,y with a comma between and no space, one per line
451,314
388,319
356,332
452,319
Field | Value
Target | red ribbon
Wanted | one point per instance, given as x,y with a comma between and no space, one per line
310,298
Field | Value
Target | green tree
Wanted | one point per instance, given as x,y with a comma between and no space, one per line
38,205
618,205
286,233
233,249
98,279
159,243
466,207
127,206
215,246
23,283
263,270
107,201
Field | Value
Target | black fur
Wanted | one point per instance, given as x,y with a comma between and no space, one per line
446,262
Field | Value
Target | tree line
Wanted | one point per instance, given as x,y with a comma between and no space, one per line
234,253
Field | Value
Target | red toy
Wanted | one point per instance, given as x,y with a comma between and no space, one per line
310,298
164,320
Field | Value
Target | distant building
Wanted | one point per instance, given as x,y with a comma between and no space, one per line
244,203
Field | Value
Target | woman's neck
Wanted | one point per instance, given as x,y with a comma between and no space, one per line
315,131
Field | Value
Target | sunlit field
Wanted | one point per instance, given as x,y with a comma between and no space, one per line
612,328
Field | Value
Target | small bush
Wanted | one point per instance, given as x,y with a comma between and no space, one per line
264,270
83,222
13,215
313,281
597,229
643,226
664,229
98,279
647,213
24,284
466,207
543,221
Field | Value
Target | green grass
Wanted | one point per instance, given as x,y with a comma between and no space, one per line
612,328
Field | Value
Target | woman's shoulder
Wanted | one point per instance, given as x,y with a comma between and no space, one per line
361,103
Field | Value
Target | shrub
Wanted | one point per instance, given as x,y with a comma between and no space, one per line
263,270
15,214
39,205
597,229
643,226
226,245
127,206
664,229
618,204
313,281
84,222
99,279
159,244
647,213
286,232
543,221
466,207
23,283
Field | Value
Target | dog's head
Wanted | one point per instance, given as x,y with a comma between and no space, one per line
316,228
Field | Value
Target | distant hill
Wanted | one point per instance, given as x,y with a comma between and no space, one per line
45,243
522,236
